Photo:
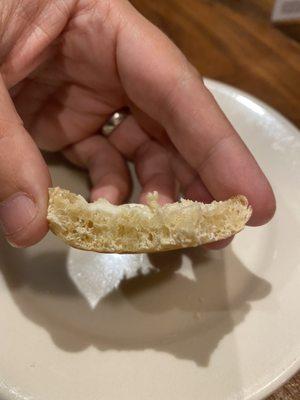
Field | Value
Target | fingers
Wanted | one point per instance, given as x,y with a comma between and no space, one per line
154,172
160,81
152,161
61,114
24,179
191,184
128,137
108,171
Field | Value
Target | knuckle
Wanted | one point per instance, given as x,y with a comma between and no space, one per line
148,148
211,151
144,149
98,10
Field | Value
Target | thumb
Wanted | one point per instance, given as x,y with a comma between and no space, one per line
24,179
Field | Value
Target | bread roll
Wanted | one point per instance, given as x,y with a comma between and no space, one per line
136,228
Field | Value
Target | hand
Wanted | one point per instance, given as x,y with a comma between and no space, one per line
68,65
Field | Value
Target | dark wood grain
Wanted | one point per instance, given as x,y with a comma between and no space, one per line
234,41
290,391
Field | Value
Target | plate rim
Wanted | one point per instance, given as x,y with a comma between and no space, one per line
287,373
212,83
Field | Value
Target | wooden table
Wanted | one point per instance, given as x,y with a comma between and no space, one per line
234,41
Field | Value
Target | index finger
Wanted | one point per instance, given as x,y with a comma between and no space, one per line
160,81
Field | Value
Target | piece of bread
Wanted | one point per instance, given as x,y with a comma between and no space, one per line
136,228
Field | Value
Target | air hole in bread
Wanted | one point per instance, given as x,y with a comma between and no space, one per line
150,237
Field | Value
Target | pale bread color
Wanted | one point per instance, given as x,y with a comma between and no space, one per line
136,228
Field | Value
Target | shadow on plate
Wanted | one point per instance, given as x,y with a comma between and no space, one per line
186,315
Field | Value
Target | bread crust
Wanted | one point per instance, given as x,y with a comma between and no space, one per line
135,228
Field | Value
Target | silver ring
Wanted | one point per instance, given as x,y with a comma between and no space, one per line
114,121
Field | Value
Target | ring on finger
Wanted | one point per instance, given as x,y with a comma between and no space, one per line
114,121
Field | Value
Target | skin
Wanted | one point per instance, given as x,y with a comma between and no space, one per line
66,66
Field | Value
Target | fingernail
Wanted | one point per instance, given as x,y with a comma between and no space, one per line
109,192
16,213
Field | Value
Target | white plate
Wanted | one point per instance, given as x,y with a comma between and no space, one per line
222,325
